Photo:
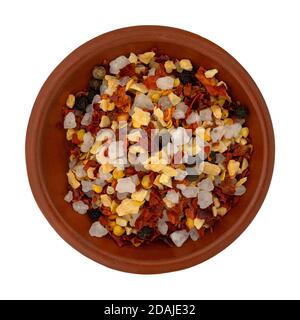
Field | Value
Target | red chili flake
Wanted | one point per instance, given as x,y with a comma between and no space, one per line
187,90
150,82
240,150
91,163
75,139
189,110
228,186
148,217
121,99
130,171
190,213
103,221
160,71
207,149
201,232
173,217
211,84
128,70
106,211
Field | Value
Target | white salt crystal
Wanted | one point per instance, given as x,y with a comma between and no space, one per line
240,190
97,230
126,185
190,192
205,199
118,64
194,235
192,118
173,196
217,133
80,207
142,101
205,114
86,119
206,185
70,121
179,237
69,196
165,83
162,226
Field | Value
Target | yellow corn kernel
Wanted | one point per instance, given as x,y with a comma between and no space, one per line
139,195
146,182
169,66
176,83
110,190
228,121
105,122
156,182
118,174
222,211
169,124
174,98
198,223
121,222
189,223
114,125
111,225
169,171
70,101
146,57
123,117
72,180
96,188
222,176
233,167
80,134
107,167
135,124
90,173
111,106
114,206
155,97
216,110
221,101
245,165
214,211
243,142
216,202
225,114
118,231
210,168
106,200
69,134
128,206
186,64
241,181
207,135
245,132
83,156
165,180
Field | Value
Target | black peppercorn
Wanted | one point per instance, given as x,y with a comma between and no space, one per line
94,214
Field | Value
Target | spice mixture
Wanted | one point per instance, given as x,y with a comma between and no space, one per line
158,149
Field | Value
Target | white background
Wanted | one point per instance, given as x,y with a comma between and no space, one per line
36,263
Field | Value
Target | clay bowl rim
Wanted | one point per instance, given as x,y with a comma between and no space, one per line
47,206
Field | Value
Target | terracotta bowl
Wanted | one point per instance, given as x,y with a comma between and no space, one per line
47,159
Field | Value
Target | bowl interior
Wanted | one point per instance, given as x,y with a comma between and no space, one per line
47,149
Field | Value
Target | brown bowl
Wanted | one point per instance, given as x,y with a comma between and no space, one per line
47,159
